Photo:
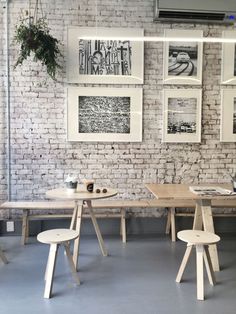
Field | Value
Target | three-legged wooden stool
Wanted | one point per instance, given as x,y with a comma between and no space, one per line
55,237
201,240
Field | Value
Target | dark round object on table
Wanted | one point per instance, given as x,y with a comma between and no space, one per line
98,190
104,190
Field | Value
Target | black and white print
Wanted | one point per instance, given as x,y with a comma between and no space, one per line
234,59
183,59
182,113
105,57
103,114
234,117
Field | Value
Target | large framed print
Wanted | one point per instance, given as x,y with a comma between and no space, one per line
104,114
228,115
228,70
104,61
182,115
183,59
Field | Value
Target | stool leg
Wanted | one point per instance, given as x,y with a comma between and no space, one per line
3,257
200,278
184,263
71,263
209,268
50,270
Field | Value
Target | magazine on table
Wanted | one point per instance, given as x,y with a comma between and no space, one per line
210,190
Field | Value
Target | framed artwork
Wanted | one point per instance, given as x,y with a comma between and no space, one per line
228,115
104,114
183,59
182,115
104,61
228,70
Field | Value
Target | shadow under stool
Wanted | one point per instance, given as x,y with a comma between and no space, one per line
201,240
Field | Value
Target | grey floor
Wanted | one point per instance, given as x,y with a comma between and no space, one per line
136,278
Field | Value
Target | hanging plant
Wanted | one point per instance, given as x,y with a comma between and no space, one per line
33,36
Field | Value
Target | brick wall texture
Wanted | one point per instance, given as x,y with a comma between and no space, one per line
40,155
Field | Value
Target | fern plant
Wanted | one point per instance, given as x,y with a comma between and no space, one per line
34,37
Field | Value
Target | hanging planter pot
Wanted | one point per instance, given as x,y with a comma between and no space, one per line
33,36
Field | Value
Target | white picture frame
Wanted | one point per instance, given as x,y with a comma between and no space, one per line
182,115
228,115
228,68
183,60
104,61
104,114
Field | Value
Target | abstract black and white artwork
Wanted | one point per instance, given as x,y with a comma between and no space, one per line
98,60
228,115
182,115
228,69
183,59
104,114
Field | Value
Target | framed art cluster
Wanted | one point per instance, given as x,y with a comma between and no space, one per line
182,107
104,114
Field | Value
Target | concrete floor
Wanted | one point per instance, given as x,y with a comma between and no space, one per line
136,278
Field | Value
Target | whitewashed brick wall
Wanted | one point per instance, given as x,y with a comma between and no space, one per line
41,157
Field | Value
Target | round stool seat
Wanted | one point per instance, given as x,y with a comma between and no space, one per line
196,237
57,236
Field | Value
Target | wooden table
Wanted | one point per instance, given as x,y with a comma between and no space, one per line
80,198
203,212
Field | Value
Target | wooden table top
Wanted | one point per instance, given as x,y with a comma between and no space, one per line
63,194
181,191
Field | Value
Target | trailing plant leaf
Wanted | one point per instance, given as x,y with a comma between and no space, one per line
34,37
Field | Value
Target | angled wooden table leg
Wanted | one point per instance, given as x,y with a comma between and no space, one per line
197,222
97,230
79,212
208,225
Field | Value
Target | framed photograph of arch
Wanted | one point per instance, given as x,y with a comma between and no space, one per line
104,114
183,59
228,70
104,61
182,115
228,115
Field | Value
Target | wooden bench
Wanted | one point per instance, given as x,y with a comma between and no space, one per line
29,208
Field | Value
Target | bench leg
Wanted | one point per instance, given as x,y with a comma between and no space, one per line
3,257
50,270
168,221
172,219
200,277
71,263
25,228
123,225
184,263
209,268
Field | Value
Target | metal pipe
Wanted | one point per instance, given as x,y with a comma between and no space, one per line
8,105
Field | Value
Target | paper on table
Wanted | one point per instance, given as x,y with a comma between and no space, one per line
210,190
